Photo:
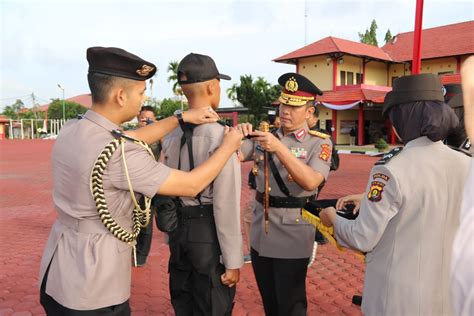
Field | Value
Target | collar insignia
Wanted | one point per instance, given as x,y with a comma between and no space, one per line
300,134
291,85
145,70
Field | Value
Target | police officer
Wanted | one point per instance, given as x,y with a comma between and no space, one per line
300,161
410,210
147,116
206,247
86,265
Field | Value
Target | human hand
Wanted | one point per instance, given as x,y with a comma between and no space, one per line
230,277
200,115
328,216
267,140
350,199
232,138
245,128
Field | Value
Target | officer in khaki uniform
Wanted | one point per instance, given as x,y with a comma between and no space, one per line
410,211
206,248
85,269
301,162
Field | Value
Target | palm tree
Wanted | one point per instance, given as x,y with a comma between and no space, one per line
232,92
173,77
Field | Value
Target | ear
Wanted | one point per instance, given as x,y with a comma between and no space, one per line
210,88
120,96
309,112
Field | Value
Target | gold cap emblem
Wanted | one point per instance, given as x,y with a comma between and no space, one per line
291,85
145,70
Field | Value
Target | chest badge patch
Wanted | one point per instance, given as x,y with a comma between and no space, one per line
375,192
299,152
325,152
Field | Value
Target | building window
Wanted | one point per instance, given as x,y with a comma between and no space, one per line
350,78
445,73
343,78
358,78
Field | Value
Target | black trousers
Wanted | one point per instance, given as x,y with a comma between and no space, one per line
144,239
281,283
195,270
53,308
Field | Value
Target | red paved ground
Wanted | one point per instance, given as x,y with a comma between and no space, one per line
26,215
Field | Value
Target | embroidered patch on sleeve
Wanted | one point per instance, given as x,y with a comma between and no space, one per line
381,176
325,152
375,191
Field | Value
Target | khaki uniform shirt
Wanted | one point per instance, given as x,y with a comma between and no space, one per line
89,267
289,236
406,224
224,191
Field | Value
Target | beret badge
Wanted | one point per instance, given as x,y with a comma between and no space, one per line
145,70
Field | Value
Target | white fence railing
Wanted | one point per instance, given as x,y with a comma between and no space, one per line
34,128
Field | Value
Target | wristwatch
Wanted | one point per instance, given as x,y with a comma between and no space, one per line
179,115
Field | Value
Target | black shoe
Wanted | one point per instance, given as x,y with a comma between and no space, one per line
141,261
357,300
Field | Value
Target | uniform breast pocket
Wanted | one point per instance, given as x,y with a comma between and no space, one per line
202,230
293,218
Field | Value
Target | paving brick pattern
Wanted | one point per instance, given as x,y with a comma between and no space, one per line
26,215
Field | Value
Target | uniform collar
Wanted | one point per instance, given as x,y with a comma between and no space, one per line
299,134
100,120
420,141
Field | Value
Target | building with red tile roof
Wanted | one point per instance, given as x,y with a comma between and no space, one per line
355,77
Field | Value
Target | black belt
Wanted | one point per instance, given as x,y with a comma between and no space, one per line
198,211
285,202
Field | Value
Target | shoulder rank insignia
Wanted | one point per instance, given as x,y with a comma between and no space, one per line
318,134
388,156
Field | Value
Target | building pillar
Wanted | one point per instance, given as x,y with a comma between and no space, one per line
11,130
32,130
360,127
334,74
235,119
21,126
458,64
334,127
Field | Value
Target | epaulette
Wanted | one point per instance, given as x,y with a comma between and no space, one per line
386,158
117,133
319,134
461,150
223,123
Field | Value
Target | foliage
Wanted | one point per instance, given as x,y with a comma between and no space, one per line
173,77
168,106
72,109
370,35
255,95
388,36
13,111
381,144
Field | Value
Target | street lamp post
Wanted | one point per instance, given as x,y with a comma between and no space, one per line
64,112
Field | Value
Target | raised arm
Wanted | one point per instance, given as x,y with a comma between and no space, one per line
181,183
152,133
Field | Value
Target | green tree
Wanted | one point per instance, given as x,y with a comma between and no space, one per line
388,36
13,111
168,106
173,77
255,95
370,35
232,92
72,109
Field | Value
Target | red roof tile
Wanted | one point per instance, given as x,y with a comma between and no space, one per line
447,40
354,93
83,99
335,45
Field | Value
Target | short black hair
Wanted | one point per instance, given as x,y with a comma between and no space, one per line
316,111
100,85
148,108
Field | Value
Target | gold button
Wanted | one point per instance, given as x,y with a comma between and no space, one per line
297,220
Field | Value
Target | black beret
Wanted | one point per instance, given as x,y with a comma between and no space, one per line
297,89
117,62
198,68
407,89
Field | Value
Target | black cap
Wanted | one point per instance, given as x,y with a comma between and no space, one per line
422,87
117,62
198,68
451,90
297,89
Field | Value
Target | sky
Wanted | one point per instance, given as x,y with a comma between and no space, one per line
44,42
